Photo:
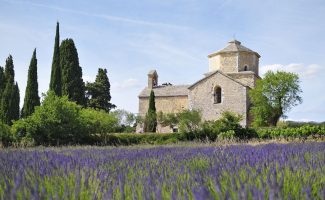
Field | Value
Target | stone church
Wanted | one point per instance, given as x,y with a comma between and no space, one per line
233,71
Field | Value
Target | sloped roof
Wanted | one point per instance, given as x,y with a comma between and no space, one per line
211,74
234,46
166,91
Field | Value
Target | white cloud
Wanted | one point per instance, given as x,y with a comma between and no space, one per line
304,71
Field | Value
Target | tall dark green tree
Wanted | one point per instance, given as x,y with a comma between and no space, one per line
150,122
10,96
2,87
31,94
2,82
98,93
15,102
72,82
55,82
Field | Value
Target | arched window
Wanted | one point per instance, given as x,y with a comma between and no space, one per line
245,68
217,95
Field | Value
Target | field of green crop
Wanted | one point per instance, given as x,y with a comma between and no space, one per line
265,171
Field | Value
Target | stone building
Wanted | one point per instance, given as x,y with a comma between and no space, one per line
232,72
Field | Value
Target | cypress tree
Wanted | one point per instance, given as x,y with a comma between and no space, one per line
72,82
55,82
15,102
98,93
10,96
2,87
150,123
9,71
2,82
31,94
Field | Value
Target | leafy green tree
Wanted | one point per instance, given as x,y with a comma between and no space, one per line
273,96
124,117
150,122
98,93
10,96
72,82
31,94
189,120
55,83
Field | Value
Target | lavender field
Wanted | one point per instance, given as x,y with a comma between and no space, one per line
269,171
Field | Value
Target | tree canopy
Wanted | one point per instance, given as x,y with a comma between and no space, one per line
98,93
72,82
273,96
31,95
10,95
55,82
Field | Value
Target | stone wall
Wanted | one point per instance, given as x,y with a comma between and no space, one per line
247,78
248,59
226,62
166,105
234,98
229,62
214,63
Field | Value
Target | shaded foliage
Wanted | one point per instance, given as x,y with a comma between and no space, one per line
10,97
31,94
98,93
56,74
150,121
72,82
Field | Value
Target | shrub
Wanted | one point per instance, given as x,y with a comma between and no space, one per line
228,135
58,121
55,122
297,132
97,122
189,120
6,137
228,122
144,138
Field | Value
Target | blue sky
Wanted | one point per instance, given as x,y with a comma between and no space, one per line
129,38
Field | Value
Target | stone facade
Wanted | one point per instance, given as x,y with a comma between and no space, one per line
233,71
233,97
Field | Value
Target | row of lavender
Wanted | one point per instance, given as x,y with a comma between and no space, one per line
271,171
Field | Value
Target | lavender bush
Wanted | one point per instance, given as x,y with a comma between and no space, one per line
271,171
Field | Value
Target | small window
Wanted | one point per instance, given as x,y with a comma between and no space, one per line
217,95
245,68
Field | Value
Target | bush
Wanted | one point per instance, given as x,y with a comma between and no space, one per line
6,137
189,121
144,138
228,122
228,135
297,132
95,122
55,122
58,121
